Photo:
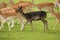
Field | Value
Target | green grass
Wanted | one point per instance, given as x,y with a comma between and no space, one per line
27,34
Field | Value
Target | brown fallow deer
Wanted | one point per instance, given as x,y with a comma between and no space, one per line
56,15
3,5
15,6
8,15
27,5
45,6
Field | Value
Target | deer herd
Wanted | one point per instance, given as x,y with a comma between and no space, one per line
11,11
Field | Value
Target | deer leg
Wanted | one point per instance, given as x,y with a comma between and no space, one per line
56,25
12,23
9,26
45,24
23,26
21,20
2,24
56,6
31,25
50,8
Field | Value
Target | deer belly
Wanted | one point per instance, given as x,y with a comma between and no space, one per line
36,18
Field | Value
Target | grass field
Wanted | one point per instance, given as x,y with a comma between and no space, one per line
27,34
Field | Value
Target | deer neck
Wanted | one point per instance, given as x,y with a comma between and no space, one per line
22,13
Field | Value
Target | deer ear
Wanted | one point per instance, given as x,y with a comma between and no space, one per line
21,6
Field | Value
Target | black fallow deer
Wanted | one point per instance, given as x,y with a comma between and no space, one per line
38,15
45,6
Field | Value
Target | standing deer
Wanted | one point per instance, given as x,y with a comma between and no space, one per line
7,15
57,16
38,15
26,5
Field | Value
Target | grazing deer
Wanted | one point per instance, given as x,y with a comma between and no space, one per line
3,5
57,16
38,15
7,14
